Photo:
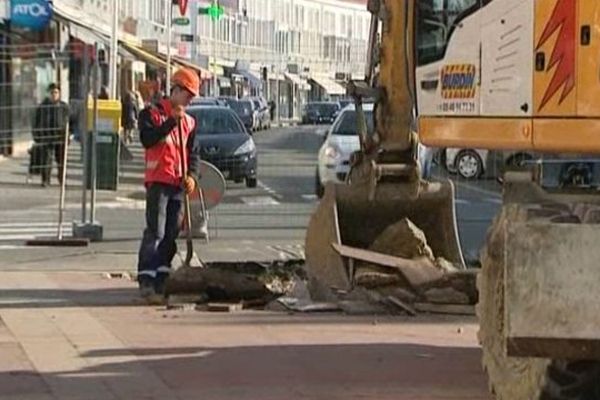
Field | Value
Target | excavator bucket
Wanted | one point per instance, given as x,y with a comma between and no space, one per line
348,215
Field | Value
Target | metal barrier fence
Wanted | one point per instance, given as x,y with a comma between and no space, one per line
43,112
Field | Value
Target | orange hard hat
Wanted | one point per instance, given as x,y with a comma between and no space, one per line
187,79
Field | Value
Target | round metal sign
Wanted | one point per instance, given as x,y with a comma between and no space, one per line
212,183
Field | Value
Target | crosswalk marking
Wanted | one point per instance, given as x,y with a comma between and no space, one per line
22,231
260,201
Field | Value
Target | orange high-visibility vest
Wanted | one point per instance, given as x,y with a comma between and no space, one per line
163,160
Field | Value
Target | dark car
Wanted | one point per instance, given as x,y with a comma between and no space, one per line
222,140
207,101
320,113
227,100
245,111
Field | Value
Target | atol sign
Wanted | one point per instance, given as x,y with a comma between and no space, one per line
31,14
458,81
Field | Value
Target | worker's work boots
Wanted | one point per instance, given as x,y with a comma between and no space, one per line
148,292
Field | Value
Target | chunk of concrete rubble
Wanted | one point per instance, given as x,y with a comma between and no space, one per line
403,239
464,281
373,276
445,265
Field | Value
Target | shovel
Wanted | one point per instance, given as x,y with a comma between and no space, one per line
187,278
189,243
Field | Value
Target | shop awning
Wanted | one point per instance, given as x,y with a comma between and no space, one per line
144,55
204,73
159,60
296,80
329,85
253,80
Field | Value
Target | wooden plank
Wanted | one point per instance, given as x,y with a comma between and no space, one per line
417,272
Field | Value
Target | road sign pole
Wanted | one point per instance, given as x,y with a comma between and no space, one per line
169,16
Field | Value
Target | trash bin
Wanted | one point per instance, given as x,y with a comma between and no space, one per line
107,144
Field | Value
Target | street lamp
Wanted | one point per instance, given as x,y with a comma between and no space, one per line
114,43
169,17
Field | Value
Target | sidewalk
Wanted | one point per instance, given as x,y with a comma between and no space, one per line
73,336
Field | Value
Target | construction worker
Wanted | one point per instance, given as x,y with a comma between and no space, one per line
159,126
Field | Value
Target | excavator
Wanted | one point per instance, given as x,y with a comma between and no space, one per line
518,75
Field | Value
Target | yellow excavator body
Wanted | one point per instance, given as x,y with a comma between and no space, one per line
485,74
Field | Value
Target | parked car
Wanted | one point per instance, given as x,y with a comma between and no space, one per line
320,112
245,111
222,140
340,142
207,101
227,100
474,163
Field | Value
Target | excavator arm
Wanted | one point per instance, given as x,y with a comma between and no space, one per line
384,201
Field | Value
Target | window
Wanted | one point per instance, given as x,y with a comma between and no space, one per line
216,122
347,124
157,11
436,22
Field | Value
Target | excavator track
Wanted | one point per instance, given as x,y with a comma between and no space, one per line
518,378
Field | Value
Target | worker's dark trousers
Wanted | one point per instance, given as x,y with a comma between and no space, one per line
163,209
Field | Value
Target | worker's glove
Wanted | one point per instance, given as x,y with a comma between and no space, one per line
189,184
178,112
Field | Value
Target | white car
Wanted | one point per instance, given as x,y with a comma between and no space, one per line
474,163
340,142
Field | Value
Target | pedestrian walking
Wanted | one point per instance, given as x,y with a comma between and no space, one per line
129,116
272,109
49,133
160,127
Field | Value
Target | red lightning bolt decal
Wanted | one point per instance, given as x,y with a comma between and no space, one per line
564,17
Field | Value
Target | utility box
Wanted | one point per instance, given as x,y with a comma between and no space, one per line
108,144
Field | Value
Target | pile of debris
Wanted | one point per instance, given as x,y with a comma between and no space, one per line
224,286
415,275
399,271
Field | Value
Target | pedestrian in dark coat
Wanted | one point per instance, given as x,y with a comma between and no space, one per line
50,131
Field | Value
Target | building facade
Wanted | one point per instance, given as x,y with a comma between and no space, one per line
288,51
308,47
